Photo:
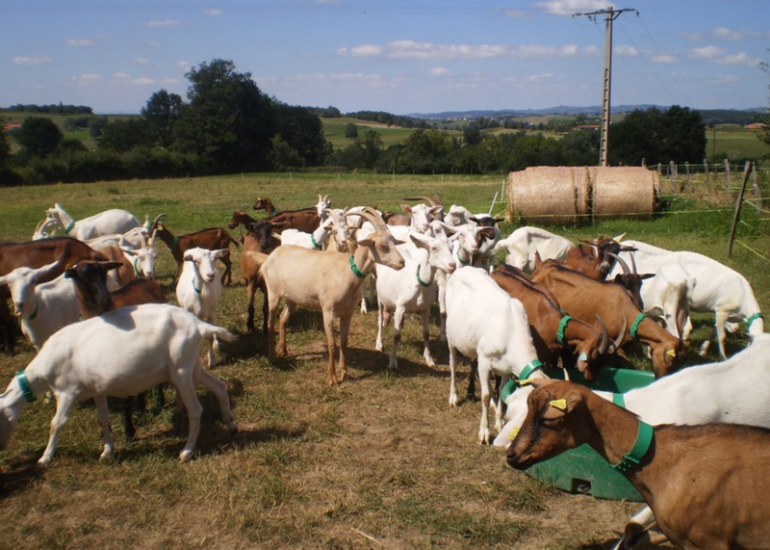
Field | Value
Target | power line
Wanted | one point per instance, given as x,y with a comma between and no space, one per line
610,16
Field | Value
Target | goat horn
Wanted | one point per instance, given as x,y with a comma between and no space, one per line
622,334
372,216
424,198
605,342
623,264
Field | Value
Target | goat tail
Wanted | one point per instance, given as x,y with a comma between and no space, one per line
209,332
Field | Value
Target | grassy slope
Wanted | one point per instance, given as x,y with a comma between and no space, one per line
381,462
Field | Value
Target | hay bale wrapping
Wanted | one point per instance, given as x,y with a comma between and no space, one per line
559,195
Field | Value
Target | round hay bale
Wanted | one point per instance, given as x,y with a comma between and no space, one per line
622,192
543,195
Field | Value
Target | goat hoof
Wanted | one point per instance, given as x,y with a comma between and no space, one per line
185,456
233,429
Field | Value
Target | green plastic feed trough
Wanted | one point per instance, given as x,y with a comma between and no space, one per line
583,470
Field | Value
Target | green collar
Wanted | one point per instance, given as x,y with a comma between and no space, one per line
69,227
26,390
642,444
635,326
560,332
619,399
174,242
461,260
420,281
136,266
314,243
354,269
752,319
530,367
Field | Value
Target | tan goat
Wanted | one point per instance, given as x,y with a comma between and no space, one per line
330,281
707,485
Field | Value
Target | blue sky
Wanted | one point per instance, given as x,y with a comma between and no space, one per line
402,56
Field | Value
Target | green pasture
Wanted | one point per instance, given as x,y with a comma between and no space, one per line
381,461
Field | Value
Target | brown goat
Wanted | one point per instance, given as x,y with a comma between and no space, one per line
706,485
257,244
34,254
545,321
90,278
303,219
584,298
214,238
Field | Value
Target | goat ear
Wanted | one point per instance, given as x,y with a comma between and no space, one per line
406,208
188,257
112,265
647,276
619,237
222,253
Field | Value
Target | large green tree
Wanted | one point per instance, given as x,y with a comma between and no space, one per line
122,135
228,122
161,114
652,136
303,131
38,136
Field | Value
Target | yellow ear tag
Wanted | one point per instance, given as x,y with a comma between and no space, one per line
524,382
514,433
560,404
671,352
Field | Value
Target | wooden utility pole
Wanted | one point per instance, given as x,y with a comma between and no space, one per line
610,16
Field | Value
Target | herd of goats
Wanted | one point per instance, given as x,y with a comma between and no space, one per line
695,442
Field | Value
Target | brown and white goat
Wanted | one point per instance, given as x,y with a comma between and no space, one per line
706,485
214,238
330,281
35,254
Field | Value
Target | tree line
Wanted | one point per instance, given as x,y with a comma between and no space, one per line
226,124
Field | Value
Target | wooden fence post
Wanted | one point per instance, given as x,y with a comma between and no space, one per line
755,187
728,181
672,177
738,205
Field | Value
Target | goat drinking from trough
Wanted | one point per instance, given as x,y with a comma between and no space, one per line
329,281
584,297
706,485
121,353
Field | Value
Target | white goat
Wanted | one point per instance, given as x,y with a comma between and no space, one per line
734,391
104,223
199,289
334,224
122,353
457,215
486,324
412,290
718,289
330,282
524,242
44,308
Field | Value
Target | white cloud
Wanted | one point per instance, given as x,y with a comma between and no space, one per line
626,50
183,64
365,50
539,77
664,59
86,79
38,60
570,7
409,49
165,23
140,60
125,78
80,42
726,34
440,71
212,11
740,58
693,36
706,52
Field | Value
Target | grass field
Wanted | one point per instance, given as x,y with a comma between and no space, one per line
380,462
